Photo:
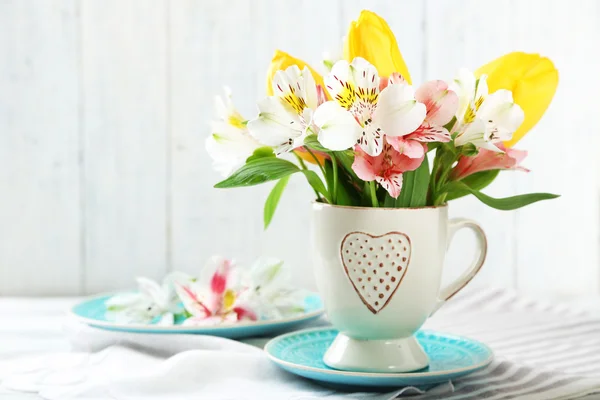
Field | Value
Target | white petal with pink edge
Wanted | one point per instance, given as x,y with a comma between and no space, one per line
441,103
397,112
363,167
409,147
392,183
196,300
431,133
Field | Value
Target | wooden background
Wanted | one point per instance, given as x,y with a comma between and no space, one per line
104,109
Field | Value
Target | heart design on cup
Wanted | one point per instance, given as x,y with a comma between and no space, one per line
375,265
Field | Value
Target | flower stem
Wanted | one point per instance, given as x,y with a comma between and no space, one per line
445,157
316,160
374,200
300,161
433,179
335,179
303,166
441,199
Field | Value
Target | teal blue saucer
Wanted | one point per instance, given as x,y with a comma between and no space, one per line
93,312
450,357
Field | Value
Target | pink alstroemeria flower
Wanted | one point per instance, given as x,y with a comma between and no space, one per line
214,298
441,104
394,79
386,168
487,160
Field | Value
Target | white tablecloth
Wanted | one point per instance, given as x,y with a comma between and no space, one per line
544,351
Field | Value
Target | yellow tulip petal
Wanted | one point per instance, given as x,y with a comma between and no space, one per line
533,81
282,60
372,39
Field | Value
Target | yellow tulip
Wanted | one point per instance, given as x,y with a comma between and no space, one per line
282,60
532,80
372,39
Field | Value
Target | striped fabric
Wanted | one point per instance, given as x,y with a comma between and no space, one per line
543,351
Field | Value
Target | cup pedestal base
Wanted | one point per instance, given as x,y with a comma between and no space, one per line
386,355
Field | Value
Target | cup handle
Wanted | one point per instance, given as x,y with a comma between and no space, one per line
454,225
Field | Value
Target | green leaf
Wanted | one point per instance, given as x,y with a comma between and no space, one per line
414,187
432,146
346,159
316,183
477,181
346,194
258,171
344,198
313,143
273,200
261,152
450,124
513,202
389,201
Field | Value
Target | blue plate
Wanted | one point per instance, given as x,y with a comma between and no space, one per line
93,312
301,353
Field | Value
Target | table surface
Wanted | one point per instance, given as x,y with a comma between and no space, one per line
34,325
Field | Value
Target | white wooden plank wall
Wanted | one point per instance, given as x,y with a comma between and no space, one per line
125,140
40,219
104,108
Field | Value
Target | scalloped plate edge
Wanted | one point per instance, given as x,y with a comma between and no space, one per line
290,366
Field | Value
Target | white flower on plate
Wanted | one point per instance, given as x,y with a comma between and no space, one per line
230,143
483,119
270,291
285,119
153,303
360,114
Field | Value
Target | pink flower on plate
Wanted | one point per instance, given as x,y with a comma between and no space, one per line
487,160
386,168
441,104
214,298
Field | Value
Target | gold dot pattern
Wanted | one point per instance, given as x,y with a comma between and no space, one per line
388,256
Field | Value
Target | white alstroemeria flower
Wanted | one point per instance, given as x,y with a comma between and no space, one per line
360,113
483,119
153,303
285,119
270,291
230,144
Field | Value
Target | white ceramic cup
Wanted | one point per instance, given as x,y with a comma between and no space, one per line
379,272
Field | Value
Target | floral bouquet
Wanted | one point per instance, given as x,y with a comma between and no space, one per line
376,140
224,293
